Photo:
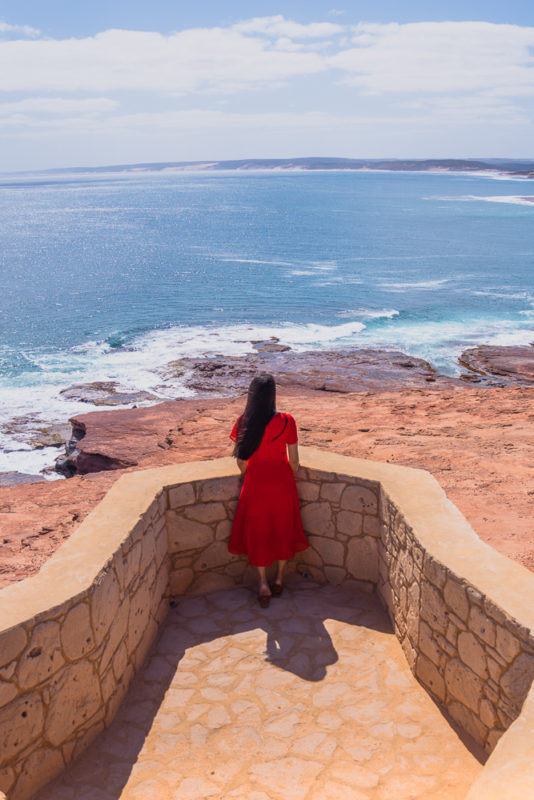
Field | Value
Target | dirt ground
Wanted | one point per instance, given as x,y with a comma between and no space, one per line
478,443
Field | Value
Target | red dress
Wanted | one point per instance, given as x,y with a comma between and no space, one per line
267,525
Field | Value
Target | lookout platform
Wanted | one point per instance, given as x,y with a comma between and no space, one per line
310,699
138,664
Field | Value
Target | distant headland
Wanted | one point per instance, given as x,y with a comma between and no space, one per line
517,167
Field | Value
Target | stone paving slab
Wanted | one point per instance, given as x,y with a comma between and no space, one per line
310,699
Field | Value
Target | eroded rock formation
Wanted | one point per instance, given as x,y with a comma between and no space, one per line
500,366
477,443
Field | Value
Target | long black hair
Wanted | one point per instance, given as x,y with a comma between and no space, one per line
260,409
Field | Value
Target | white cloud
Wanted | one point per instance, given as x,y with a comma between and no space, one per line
209,121
279,26
209,135
25,30
400,89
221,59
468,110
190,120
428,58
439,57
59,105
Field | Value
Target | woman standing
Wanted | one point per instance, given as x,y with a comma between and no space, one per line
267,525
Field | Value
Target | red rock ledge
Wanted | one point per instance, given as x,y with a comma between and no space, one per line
478,443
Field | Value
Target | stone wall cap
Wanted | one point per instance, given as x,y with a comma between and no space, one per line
440,527
76,564
442,530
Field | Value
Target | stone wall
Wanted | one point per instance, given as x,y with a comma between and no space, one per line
64,669
72,637
64,672
339,515
340,518
199,521
473,657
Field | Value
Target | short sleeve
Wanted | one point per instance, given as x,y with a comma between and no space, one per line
233,435
291,434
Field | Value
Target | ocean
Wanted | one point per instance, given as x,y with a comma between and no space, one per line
110,276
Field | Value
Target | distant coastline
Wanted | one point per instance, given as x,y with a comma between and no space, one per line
520,168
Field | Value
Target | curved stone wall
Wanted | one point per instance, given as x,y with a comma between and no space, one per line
72,637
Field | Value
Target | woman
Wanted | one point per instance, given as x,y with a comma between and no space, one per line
267,525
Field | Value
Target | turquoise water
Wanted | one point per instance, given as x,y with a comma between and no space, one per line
111,276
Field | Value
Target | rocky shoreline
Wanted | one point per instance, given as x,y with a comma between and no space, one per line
476,441
338,372
500,366
474,433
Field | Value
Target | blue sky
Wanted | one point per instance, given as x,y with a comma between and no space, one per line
124,82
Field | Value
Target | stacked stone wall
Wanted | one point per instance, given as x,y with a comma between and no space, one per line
199,521
72,637
64,672
472,657
340,518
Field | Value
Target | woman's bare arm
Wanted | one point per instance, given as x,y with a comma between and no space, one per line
293,454
242,465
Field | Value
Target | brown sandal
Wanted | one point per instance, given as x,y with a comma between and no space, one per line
277,589
264,600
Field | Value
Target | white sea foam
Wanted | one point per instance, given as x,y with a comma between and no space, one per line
82,210
516,200
313,268
425,257
442,342
369,313
237,260
299,267
327,266
501,176
482,173
30,461
133,368
331,282
504,294
407,286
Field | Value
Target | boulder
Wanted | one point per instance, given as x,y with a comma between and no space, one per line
499,365
52,435
122,438
15,478
105,393
271,345
340,371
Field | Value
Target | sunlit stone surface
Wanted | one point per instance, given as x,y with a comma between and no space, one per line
311,698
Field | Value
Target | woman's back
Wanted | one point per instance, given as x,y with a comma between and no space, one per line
279,432
267,525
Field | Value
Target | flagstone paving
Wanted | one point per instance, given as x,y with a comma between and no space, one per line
310,699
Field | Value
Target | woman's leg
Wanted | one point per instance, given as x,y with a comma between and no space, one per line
264,586
280,573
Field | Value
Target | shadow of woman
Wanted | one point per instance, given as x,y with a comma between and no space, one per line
168,698
295,655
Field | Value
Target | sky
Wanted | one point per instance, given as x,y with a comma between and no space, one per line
123,81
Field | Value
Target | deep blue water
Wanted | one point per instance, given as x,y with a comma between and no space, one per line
110,276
